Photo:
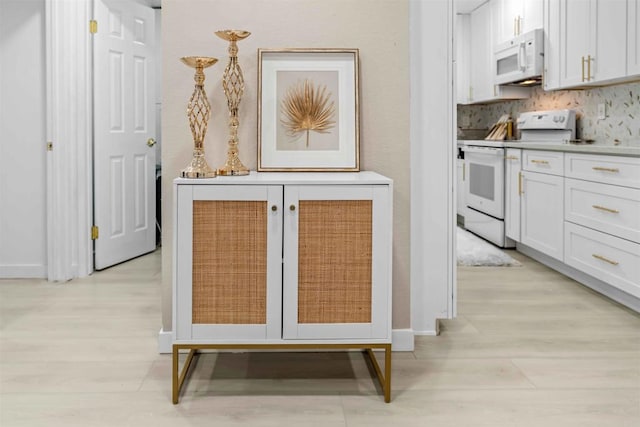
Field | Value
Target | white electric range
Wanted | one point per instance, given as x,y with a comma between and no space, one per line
485,170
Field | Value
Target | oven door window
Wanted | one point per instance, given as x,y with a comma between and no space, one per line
483,182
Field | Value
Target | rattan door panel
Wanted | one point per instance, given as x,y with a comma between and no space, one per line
230,271
333,287
334,261
229,262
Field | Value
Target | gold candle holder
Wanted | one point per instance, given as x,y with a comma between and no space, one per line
198,112
233,85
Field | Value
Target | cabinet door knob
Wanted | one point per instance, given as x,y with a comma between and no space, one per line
274,208
292,207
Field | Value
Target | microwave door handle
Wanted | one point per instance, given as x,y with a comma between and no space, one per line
522,56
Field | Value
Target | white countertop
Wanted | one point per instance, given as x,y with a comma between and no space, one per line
618,150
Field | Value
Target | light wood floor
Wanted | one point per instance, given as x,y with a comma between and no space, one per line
529,348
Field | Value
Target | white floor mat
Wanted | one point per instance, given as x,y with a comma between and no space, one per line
474,251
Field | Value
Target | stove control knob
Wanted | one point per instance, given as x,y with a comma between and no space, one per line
562,119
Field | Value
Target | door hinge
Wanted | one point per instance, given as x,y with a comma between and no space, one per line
49,146
95,232
93,26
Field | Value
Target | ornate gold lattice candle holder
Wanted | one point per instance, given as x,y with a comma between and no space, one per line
233,85
198,112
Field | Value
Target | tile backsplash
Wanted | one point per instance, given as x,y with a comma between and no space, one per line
620,127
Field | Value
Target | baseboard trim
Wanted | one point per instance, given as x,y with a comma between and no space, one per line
401,340
23,271
165,341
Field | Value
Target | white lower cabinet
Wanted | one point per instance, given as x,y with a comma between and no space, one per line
513,190
581,209
259,260
611,259
542,216
608,208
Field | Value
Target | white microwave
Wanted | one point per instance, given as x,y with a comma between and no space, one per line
520,60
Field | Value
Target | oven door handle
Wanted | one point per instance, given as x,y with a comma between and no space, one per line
484,150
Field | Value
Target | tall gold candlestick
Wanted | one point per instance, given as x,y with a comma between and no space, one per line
233,85
198,111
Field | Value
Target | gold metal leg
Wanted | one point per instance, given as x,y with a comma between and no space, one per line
178,381
387,373
174,376
385,379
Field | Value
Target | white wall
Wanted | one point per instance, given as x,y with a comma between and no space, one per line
379,28
22,139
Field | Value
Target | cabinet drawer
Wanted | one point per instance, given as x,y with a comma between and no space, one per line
616,170
611,259
608,208
551,162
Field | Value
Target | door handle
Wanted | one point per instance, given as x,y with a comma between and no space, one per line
520,192
151,142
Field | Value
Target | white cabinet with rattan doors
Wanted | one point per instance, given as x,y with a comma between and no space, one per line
283,260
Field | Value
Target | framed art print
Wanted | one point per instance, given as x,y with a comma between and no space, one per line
308,110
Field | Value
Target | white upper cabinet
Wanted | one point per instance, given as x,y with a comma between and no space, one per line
515,17
587,42
480,63
532,14
481,54
463,71
633,37
608,40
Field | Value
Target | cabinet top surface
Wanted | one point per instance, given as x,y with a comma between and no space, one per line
316,178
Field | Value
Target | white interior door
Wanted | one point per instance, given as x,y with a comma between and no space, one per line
124,121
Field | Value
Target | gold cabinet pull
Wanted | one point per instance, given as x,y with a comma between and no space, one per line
540,162
602,208
601,258
520,192
292,207
519,25
600,168
274,208
511,158
583,68
589,68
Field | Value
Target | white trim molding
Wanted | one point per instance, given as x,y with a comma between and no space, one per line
433,215
165,341
70,133
402,340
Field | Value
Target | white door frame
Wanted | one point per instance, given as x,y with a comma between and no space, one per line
69,101
433,168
